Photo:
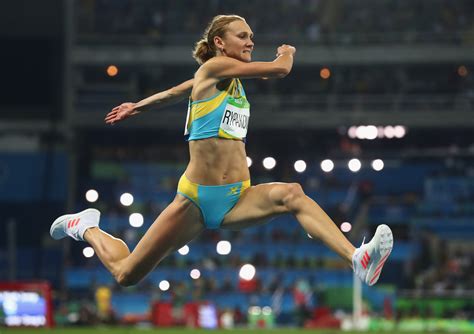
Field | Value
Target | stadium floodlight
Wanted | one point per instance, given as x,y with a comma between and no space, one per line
352,132
371,132
354,165
88,252
184,250
164,285
380,132
126,199
346,227
377,164
300,166
92,195
136,219
399,131
249,162
223,247
247,272
389,131
195,274
361,132
269,163
327,165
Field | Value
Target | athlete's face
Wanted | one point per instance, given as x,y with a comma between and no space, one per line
237,41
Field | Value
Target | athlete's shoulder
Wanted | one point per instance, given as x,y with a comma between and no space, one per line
215,64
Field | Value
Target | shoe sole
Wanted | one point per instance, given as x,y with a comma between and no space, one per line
385,245
60,219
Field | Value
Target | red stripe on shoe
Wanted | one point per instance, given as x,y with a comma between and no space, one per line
366,257
71,223
382,261
378,270
374,278
77,221
364,264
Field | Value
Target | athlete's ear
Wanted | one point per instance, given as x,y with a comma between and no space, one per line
219,43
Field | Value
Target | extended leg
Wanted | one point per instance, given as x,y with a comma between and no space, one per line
178,224
268,200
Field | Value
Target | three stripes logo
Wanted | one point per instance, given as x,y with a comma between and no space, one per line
365,260
73,222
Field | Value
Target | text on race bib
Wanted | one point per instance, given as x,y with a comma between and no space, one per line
235,121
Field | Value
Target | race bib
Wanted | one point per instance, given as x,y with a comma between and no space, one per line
235,119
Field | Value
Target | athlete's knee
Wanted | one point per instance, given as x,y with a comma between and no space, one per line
293,195
127,277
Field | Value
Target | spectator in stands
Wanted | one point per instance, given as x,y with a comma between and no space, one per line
215,191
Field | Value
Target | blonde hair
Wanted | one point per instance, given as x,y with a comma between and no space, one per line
205,48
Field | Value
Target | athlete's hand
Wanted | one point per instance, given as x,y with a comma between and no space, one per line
121,112
285,49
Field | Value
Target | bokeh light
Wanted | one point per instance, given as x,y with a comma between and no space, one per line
223,247
325,73
247,272
269,163
126,199
195,274
327,165
354,165
300,166
88,252
112,70
164,285
92,195
184,250
346,227
249,162
136,220
377,165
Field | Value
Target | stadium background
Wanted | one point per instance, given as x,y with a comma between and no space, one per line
404,67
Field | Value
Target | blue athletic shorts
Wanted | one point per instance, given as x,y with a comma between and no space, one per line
213,201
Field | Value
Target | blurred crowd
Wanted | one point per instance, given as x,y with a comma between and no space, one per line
417,87
315,21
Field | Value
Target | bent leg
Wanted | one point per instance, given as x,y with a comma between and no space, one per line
178,224
269,200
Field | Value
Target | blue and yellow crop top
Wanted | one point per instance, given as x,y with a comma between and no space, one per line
224,115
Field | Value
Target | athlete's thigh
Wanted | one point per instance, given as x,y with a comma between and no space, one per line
256,206
178,224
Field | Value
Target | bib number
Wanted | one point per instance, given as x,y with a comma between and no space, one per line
235,119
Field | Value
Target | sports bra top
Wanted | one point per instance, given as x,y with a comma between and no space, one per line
224,115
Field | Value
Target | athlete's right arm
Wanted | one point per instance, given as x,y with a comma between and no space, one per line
158,100
227,67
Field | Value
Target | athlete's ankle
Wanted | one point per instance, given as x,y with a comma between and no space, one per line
90,232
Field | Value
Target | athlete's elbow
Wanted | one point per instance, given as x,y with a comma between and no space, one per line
278,73
281,72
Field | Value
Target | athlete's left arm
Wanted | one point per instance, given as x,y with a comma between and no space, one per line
158,100
169,96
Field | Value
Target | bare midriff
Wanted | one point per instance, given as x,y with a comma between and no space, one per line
216,161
